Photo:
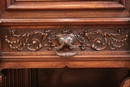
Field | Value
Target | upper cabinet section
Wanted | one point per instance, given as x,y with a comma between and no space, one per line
64,4
54,9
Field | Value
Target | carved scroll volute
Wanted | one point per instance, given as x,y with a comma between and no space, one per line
66,42
126,81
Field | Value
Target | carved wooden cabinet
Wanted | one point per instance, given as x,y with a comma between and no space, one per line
48,43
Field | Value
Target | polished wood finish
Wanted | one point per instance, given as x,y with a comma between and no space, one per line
19,78
29,33
2,6
127,6
126,80
49,5
83,77
65,5
66,21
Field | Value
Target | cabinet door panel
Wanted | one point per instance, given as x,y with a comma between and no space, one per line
44,4
30,9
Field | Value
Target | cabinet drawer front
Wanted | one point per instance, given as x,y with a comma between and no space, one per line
60,46
86,42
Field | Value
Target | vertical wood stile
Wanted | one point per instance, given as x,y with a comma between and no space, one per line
18,78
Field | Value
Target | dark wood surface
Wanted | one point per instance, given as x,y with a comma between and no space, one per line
101,31
65,77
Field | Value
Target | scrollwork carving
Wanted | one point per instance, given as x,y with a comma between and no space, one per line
100,40
95,40
33,41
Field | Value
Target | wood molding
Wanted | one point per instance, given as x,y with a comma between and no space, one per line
65,21
79,57
65,63
31,5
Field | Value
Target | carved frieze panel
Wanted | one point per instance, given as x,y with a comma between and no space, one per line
100,40
33,41
85,39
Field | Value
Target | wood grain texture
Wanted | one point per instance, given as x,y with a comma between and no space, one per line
65,5
87,77
1,79
92,15
65,14
2,7
65,21
73,64
127,2
19,78
82,55
25,65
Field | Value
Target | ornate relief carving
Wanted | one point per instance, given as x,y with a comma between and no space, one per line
100,40
33,41
96,40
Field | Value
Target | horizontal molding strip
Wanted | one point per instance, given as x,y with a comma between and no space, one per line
24,5
81,53
76,58
82,56
65,21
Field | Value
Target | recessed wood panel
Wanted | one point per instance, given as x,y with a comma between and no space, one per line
20,78
42,5
80,77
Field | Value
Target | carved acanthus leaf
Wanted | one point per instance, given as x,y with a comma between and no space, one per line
100,40
96,40
33,41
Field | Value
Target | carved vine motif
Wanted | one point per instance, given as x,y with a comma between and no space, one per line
100,40
33,41
96,40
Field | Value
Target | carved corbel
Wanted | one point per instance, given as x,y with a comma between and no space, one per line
1,79
126,81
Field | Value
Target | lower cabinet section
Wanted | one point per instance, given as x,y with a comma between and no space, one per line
20,78
66,77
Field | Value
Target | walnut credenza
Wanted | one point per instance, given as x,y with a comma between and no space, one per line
38,34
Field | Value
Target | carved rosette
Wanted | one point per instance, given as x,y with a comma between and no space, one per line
95,40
